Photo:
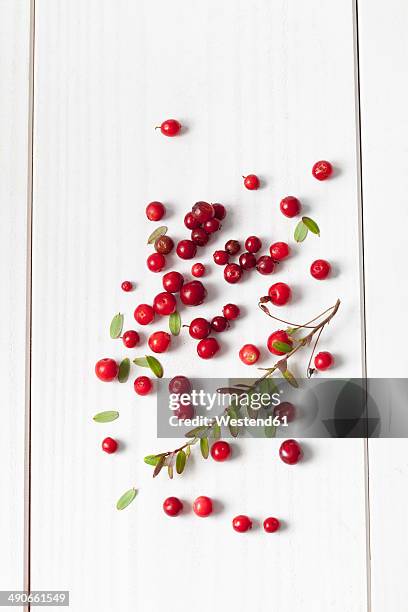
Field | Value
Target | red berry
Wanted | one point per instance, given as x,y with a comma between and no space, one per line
170,127
212,225
278,336
130,338
203,211
179,385
322,170
155,211
190,221
127,286
290,452
323,360
186,249
242,523
232,273
164,303
231,312
159,341
220,451
144,314
184,411
219,324
198,270
247,261
271,524
172,282
279,293
249,354
232,247
219,211
199,236
320,269
109,445
202,506
253,244
207,348
193,293
265,265
251,182
106,369
220,258
285,410
156,262
290,206
164,245
279,251
142,385
199,328
172,506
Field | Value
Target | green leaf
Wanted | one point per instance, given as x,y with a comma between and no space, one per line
283,347
231,412
141,361
216,431
155,366
116,326
106,417
290,378
175,323
300,232
126,499
204,447
170,471
152,459
180,461
188,451
270,431
196,432
160,464
124,369
160,231
311,225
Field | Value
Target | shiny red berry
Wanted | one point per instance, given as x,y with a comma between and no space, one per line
186,249
265,265
164,245
220,450
212,225
199,236
219,211
193,293
159,342
130,338
279,251
219,324
170,127
253,244
198,270
203,211
144,314
251,182
199,328
241,523
323,360
322,170
247,261
290,206
207,348
185,410
190,221
172,282
142,385
232,273
231,311
179,385
271,524
109,445
156,262
164,303
285,410
202,506
106,369
278,336
172,506
279,293
221,258
155,211
320,269
232,247
249,354
290,452
127,286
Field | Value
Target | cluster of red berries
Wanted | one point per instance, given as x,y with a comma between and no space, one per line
203,220
200,329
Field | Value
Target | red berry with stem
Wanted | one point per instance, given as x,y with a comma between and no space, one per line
164,245
199,236
164,303
290,452
170,127
285,410
232,273
109,445
143,385
279,293
232,247
322,170
251,182
271,524
219,324
279,251
193,293
184,411
156,262
127,286
231,311
106,369
172,506
199,328
173,282
219,211
279,336
253,244
265,265
159,342
247,261
220,450
202,506
323,360
290,206
207,348
241,523
212,225
186,249
190,221
220,258
130,338
198,270
249,354
180,384
203,211
320,269
144,314
155,211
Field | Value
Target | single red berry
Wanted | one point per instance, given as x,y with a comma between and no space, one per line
106,369
199,236
271,524
164,303
278,336
320,269
198,270
199,328
144,314
279,293
323,360
231,311
170,127
212,225
219,211
207,348
130,338
253,244
193,293
249,354
159,341
156,262
184,411
219,324
251,181
203,211
172,282
202,506
220,450
155,211
164,245
109,445
142,385
190,221
220,257
279,251
232,273
179,385
247,261
285,410
186,249
232,247
242,523
127,286
172,506
290,206
322,170
290,452
265,265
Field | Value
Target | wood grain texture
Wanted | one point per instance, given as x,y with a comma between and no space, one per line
262,87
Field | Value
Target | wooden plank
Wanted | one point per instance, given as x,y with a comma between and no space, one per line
262,87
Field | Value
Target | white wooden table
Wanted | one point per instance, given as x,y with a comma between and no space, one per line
265,86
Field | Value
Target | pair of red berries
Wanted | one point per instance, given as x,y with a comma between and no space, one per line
243,523
202,506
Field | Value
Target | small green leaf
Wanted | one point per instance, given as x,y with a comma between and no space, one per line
282,347
155,366
269,431
141,361
159,465
160,231
124,369
116,326
126,499
180,461
290,378
170,471
204,447
196,432
175,323
300,232
311,225
232,428
106,417
188,451
216,431
152,459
